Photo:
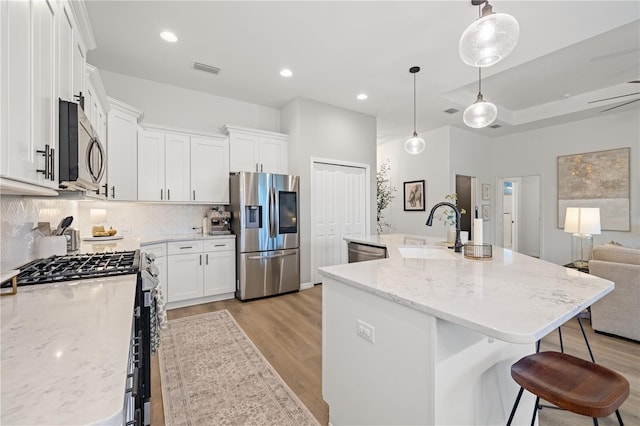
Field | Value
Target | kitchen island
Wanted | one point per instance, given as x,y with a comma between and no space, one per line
428,337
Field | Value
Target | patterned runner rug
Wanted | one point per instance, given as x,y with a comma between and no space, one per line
212,374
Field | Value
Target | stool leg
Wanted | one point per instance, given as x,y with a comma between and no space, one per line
535,411
515,406
595,421
619,418
586,340
560,335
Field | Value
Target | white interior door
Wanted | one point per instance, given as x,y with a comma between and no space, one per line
338,210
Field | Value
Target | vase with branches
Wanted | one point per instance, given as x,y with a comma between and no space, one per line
384,194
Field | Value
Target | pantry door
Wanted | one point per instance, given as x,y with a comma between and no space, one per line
339,200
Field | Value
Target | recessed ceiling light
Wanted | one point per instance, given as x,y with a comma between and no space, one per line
362,96
286,72
168,36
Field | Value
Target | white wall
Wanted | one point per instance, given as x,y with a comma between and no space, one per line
449,151
535,153
178,107
324,131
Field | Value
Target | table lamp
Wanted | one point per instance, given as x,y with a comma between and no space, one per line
582,223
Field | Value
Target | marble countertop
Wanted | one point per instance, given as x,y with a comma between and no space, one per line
135,242
512,297
65,350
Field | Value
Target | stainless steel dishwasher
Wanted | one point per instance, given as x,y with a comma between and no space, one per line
359,252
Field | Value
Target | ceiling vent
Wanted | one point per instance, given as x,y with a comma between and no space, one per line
495,126
451,110
206,68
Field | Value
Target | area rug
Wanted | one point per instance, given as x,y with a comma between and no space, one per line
212,374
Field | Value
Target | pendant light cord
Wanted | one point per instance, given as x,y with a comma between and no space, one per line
414,104
479,79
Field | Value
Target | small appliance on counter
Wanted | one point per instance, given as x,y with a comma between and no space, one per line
219,221
73,239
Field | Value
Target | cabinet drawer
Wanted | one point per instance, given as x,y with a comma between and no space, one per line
184,247
158,250
227,244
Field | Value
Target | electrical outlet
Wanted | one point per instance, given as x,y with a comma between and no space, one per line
125,231
366,331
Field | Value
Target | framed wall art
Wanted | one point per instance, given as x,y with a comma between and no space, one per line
414,195
596,179
486,212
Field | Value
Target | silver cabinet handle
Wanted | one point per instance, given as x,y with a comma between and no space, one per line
47,162
207,258
200,259
185,247
168,194
194,195
219,245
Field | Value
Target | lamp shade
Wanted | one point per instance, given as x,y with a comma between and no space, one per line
582,220
489,39
480,113
414,145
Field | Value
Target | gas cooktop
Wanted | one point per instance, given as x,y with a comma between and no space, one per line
79,266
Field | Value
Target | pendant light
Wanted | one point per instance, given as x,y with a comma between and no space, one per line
481,113
414,145
490,38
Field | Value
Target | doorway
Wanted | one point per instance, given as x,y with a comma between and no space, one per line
466,192
519,227
339,209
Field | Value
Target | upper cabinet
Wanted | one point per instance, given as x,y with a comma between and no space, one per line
122,152
96,104
254,150
28,106
179,165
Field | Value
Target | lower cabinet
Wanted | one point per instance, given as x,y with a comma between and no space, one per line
200,271
159,250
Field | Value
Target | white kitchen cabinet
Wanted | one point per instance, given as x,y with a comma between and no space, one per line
219,267
122,151
185,270
29,104
163,166
210,170
195,168
96,105
74,39
254,150
200,271
159,250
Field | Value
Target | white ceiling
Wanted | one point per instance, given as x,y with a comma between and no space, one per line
587,49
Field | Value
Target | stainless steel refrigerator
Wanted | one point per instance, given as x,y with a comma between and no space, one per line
265,210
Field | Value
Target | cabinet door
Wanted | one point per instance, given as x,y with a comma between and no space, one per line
243,152
18,154
177,160
78,61
66,26
210,170
44,101
122,155
185,277
273,155
151,161
219,272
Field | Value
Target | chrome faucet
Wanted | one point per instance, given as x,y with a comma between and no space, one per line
458,244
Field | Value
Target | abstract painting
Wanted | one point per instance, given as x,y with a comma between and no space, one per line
596,179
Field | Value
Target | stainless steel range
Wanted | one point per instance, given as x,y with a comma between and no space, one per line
57,269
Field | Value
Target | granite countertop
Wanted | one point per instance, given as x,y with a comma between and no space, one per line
65,351
511,297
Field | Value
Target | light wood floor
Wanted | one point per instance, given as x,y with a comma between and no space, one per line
288,331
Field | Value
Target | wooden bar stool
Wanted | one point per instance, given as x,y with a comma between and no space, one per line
570,383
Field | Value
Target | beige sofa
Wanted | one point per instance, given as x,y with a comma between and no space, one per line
618,312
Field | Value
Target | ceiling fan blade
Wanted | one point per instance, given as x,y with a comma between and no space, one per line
614,97
621,105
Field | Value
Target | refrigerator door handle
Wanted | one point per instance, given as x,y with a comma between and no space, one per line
272,215
273,256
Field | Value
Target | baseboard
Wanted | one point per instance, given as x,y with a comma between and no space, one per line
198,301
306,286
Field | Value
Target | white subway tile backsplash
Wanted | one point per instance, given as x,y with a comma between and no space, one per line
19,215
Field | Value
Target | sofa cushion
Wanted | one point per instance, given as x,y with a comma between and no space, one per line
615,253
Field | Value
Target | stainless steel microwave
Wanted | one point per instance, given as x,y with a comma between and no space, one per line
83,159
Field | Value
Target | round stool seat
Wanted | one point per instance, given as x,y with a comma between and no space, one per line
571,383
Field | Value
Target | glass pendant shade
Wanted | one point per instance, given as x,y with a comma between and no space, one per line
480,113
414,145
489,39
